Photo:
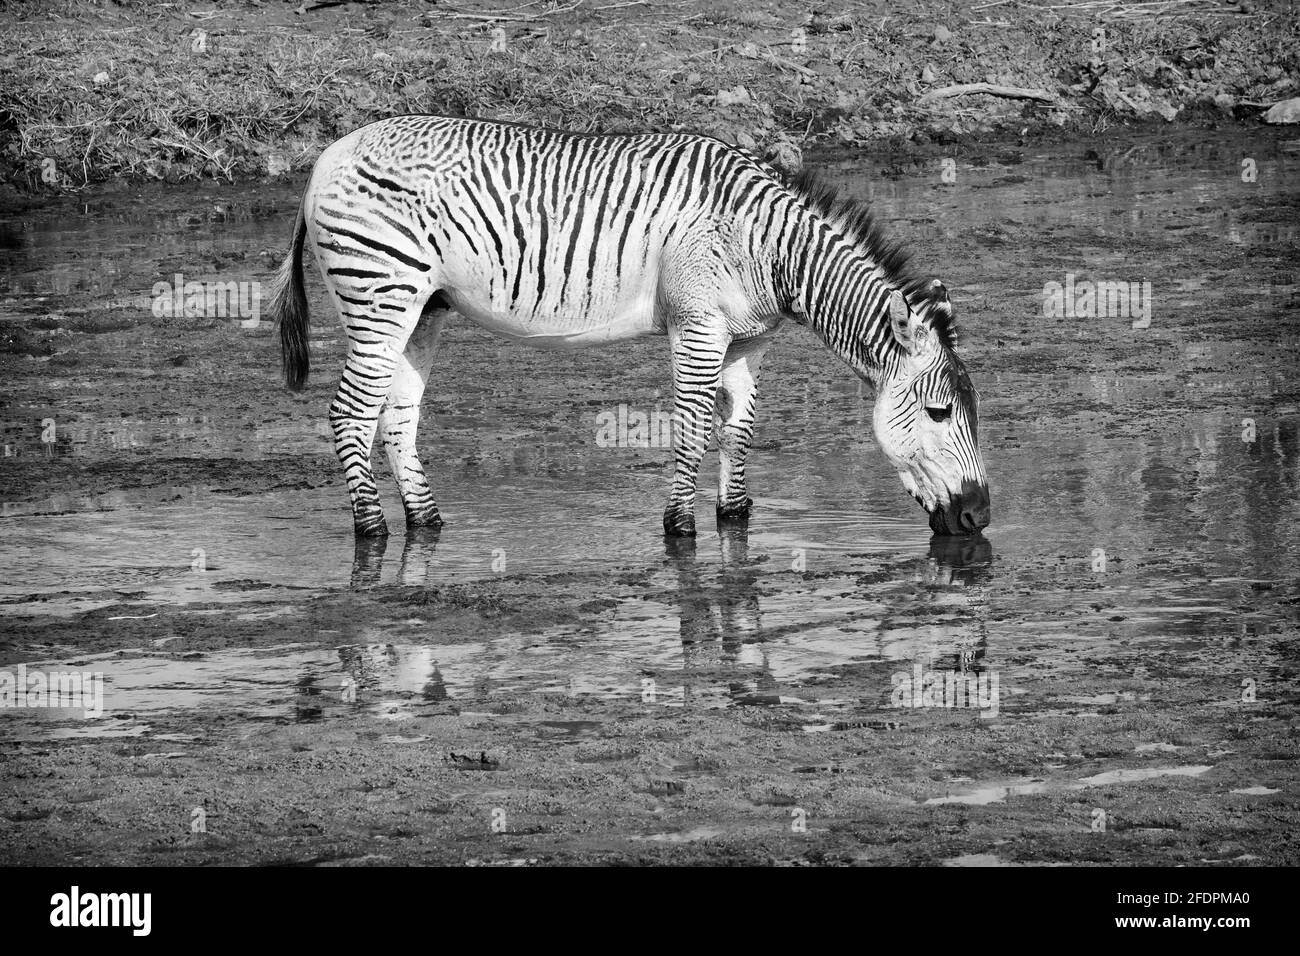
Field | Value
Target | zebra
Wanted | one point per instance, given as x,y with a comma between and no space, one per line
565,240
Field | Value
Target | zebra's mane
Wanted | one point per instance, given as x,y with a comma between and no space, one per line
857,221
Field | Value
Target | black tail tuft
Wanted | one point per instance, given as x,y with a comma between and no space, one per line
289,308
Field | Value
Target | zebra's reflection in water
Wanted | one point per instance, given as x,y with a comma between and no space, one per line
718,607
719,613
409,669
965,563
418,551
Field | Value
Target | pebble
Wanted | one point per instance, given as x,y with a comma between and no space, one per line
1288,111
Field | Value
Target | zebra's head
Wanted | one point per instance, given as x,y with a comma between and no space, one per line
927,415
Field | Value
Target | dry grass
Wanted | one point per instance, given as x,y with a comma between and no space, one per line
90,92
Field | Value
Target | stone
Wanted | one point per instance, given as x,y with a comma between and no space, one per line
1288,111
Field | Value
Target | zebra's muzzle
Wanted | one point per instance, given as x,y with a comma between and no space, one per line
966,513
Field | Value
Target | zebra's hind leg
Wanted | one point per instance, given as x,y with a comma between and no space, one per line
734,419
376,342
399,419
698,347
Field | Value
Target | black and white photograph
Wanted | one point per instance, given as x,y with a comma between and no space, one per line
651,433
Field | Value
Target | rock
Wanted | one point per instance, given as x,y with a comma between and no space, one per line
927,75
733,97
942,34
1137,98
1224,102
276,165
1288,111
785,156
1162,106
817,24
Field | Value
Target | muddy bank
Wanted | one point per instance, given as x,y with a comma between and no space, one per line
1173,772
294,731
247,91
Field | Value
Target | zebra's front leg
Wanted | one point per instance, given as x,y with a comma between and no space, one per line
737,394
698,347
399,421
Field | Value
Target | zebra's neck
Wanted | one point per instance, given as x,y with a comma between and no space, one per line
837,290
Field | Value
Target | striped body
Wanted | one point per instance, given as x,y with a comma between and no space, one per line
564,243
560,240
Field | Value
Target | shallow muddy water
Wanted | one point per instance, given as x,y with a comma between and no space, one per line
186,533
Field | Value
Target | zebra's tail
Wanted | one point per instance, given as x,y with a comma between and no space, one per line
289,308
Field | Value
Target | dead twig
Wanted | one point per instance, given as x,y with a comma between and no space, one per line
787,64
991,89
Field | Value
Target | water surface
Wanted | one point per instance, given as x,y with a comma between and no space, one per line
1132,507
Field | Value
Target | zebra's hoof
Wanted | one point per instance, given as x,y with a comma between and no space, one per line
428,519
679,525
371,528
735,511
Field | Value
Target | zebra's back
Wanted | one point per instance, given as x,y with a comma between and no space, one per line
551,237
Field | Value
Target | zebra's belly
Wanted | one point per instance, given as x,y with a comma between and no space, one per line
561,329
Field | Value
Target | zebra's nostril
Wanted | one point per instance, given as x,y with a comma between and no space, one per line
974,519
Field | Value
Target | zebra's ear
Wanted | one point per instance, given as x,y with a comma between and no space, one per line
903,322
939,294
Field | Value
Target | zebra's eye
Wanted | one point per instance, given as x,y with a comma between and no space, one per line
940,413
